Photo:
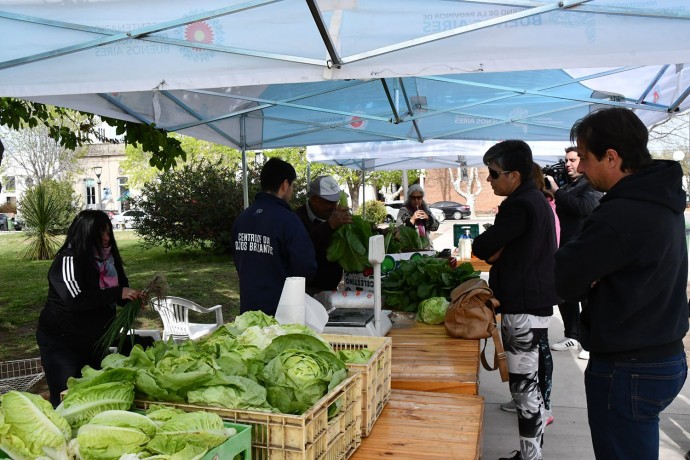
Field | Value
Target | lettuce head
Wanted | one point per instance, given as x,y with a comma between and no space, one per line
30,427
432,310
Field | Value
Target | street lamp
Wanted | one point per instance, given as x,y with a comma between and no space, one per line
678,155
98,170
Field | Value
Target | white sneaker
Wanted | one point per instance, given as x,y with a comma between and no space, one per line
583,354
565,343
509,406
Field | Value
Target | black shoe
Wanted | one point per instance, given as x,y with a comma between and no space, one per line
516,456
687,455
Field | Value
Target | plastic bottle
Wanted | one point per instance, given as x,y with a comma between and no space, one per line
465,246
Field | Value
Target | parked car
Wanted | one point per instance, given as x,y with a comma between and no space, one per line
452,209
393,207
127,219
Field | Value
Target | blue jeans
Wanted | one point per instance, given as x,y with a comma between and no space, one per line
624,401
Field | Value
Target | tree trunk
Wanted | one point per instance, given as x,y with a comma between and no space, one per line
469,189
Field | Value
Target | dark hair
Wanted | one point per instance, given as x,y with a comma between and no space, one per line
274,172
85,235
618,129
539,181
511,155
570,149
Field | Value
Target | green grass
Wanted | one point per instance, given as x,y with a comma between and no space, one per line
208,279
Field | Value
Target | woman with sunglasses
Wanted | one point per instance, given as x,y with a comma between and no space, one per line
415,213
520,247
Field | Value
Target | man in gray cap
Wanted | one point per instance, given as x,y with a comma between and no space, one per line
322,216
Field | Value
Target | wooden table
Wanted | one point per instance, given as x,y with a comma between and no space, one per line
418,424
425,358
480,265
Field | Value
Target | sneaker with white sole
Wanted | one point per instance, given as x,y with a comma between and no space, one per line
509,406
583,354
566,343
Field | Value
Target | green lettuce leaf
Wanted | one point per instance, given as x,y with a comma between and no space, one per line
200,429
30,428
82,403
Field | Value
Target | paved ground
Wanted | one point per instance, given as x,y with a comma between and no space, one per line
568,437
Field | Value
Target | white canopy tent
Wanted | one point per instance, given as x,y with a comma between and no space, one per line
267,73
259,74
368,156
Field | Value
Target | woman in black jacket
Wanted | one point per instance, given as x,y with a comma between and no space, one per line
85,282
521,246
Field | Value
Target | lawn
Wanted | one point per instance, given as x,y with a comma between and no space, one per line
208,279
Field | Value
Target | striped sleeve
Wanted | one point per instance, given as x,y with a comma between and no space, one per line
68,276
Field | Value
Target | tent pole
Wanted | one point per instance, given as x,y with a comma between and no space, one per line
405,184
308,174
364,192
245,179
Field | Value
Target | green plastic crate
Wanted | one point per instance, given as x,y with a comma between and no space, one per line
240,444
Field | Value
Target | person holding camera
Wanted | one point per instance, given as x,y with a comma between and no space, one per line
416,213
575,201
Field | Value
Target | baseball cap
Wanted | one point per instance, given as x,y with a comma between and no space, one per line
326,187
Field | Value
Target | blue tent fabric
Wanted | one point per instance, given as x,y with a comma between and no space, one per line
260,74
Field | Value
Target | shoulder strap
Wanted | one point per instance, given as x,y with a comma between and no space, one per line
499,356
499,353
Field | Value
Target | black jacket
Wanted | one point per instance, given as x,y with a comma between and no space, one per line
633,249
522,277
574,202
78,311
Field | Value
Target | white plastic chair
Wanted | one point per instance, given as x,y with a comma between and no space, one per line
174,311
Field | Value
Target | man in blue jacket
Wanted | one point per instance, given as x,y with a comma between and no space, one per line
270,243
631,262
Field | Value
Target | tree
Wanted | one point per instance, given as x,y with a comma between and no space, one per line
672,134
38,156
48,209
389,183
467,184
137,163
18,114
193,205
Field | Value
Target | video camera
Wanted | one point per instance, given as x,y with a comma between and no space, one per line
557,171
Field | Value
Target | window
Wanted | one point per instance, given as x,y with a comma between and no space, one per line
90,186
9,183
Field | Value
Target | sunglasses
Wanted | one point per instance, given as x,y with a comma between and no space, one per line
494,174
416,197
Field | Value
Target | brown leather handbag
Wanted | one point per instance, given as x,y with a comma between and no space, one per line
472,315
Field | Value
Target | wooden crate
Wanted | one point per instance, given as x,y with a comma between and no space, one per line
376,374
310,436
419,424
425,358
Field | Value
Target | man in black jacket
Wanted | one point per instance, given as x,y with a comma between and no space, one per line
631,262
574,202
321,216
520,246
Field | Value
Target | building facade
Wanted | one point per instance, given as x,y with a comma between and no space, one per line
100,181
